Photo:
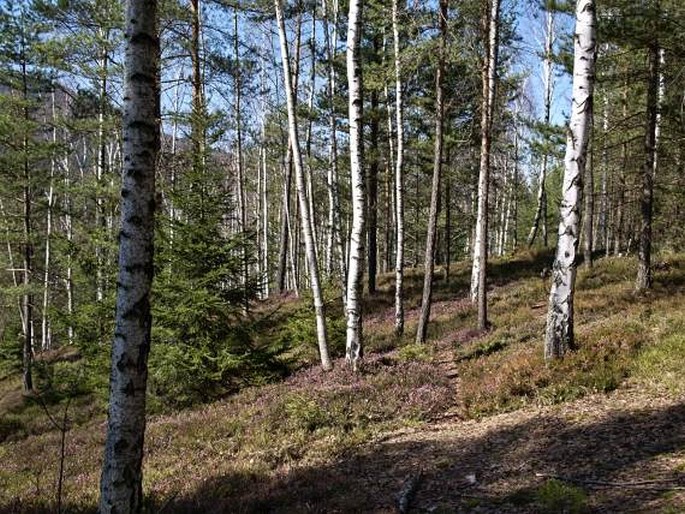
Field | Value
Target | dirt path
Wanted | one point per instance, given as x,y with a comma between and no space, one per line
625,452
618,452
501,463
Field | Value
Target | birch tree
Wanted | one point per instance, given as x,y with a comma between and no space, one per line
431,234
399,178
559,335
480,246
589,207
334,242
541,209
305,214
121,482
353,347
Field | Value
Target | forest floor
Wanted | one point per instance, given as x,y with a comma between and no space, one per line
471,422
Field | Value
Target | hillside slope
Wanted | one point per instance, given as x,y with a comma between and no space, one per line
470,423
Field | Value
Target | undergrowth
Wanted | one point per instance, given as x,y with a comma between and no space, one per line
267,427
620,336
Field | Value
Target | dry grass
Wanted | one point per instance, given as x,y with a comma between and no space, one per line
266,445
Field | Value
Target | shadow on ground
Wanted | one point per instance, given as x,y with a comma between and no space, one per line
505,461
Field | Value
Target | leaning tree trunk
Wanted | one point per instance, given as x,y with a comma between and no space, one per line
559,336
644,268
541,210
310,247
285,240
121,487
353,348
429,258
480,254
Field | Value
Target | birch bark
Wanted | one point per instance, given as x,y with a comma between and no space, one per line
121,481
353,347
589,207
307,232
399,178
334,242
559,336
478,274
541,210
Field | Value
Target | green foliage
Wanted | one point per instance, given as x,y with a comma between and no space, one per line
555,497
307,413
203,344
415,352
661,364
10,348
298,335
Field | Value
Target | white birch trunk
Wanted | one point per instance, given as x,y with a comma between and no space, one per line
399,179
310,247
264,196
354,348
659,107
589,204
480,246
69,234
504,209
240,168
335,241
265,225
541,210
309,169
603,228
50,196
101,171
559,336
10,261
121,483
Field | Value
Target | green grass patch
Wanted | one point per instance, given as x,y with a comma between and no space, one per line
662,365
554,497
